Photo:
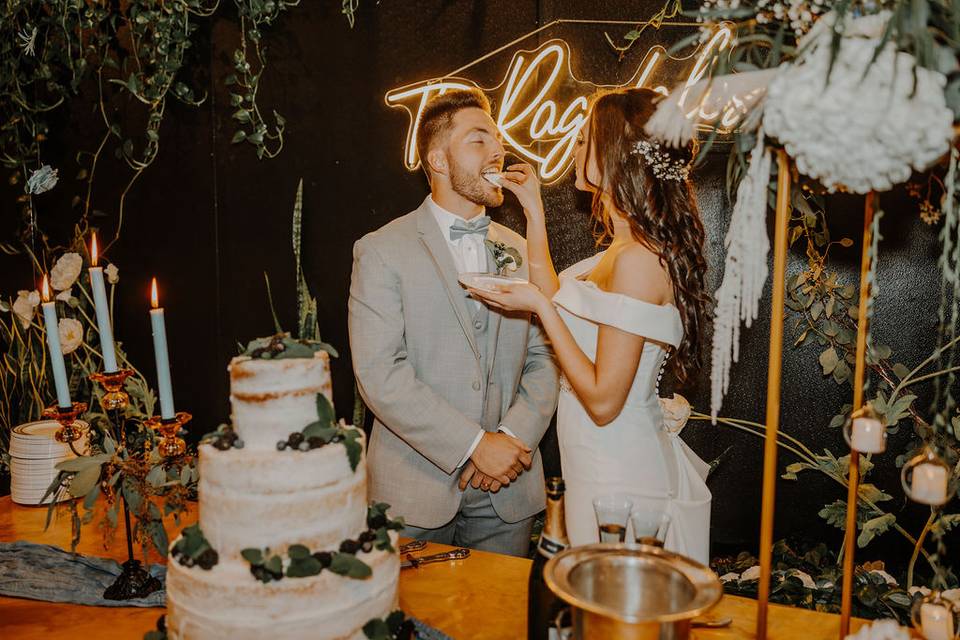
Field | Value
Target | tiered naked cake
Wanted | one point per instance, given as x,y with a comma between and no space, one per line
286,545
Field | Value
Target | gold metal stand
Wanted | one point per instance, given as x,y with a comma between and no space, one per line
853,479
773,389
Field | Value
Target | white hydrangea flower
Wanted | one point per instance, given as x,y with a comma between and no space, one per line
864,130
65,271
41,180
71,335
881,630
25,305
113,273
65,295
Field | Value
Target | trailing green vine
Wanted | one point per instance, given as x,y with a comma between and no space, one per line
249,62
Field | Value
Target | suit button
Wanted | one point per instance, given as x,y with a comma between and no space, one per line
476,385
478,324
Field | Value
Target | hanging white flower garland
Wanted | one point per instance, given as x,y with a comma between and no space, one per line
745,271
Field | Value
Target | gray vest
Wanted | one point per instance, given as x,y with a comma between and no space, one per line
485,329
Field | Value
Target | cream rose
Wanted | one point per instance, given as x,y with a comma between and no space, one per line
676,412
24,306
71,335
113,273
65,271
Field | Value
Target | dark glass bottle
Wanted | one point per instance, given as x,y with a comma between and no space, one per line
543,605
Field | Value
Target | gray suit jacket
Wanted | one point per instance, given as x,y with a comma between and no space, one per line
418,368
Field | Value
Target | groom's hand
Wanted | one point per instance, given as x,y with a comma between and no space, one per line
501,457
477,479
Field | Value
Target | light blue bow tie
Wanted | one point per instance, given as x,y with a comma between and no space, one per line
462,228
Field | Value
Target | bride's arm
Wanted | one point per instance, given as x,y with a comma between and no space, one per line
603,387
521,180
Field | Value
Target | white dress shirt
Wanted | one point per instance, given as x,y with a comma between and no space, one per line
470,256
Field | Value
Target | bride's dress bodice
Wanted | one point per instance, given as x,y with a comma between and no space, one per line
584,307
634,454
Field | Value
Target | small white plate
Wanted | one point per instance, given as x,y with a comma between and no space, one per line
487,281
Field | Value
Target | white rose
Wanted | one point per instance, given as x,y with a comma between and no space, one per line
952,594
65,271
41,180
889,579
805,578
25,305
730,577
753,573
113,273
71,335
676,412
65,295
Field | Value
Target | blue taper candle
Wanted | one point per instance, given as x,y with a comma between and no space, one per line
53,343
164,386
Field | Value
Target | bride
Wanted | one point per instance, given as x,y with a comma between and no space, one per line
618,318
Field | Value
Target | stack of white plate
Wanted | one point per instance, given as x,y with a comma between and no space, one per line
34,455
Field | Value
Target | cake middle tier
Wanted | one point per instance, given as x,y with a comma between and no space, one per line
257,498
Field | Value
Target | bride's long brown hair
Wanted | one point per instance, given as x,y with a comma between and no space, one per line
663,214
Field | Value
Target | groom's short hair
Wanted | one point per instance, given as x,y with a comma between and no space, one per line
438,113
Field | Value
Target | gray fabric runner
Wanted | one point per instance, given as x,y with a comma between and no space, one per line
45,572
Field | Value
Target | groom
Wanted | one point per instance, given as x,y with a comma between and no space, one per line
461,393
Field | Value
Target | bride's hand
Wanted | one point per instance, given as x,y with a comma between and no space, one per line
519,296
521,180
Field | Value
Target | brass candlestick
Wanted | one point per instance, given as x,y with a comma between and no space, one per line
171,445
68,432
114,398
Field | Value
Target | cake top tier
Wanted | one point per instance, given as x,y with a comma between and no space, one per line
273,396
259,380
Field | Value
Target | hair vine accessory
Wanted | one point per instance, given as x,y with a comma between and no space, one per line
661,163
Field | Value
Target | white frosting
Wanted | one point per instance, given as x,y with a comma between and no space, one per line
263,498
251,498
228,602
273,398
493,178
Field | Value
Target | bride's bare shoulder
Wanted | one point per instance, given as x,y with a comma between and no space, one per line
636,271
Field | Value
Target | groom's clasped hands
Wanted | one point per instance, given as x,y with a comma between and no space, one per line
497,461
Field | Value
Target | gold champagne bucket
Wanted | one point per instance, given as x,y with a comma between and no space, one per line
631,591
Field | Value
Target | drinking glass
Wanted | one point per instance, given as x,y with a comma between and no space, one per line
650,525
612,512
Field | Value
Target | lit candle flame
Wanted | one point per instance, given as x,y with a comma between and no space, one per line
93,251
46,289
154,298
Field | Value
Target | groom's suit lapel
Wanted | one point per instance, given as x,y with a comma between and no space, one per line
436,246
493,326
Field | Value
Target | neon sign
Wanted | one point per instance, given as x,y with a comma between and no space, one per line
540,105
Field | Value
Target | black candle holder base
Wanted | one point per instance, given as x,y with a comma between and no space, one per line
133,582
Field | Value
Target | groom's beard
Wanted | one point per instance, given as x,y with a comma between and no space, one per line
472,187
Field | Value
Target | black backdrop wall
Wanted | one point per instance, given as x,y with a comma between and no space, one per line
209,218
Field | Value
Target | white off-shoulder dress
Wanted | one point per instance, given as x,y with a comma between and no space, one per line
637,454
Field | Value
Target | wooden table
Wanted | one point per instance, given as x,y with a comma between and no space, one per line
480,598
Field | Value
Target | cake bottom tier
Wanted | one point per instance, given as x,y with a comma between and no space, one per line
228,602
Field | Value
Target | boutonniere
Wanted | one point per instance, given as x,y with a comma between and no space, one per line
504,257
